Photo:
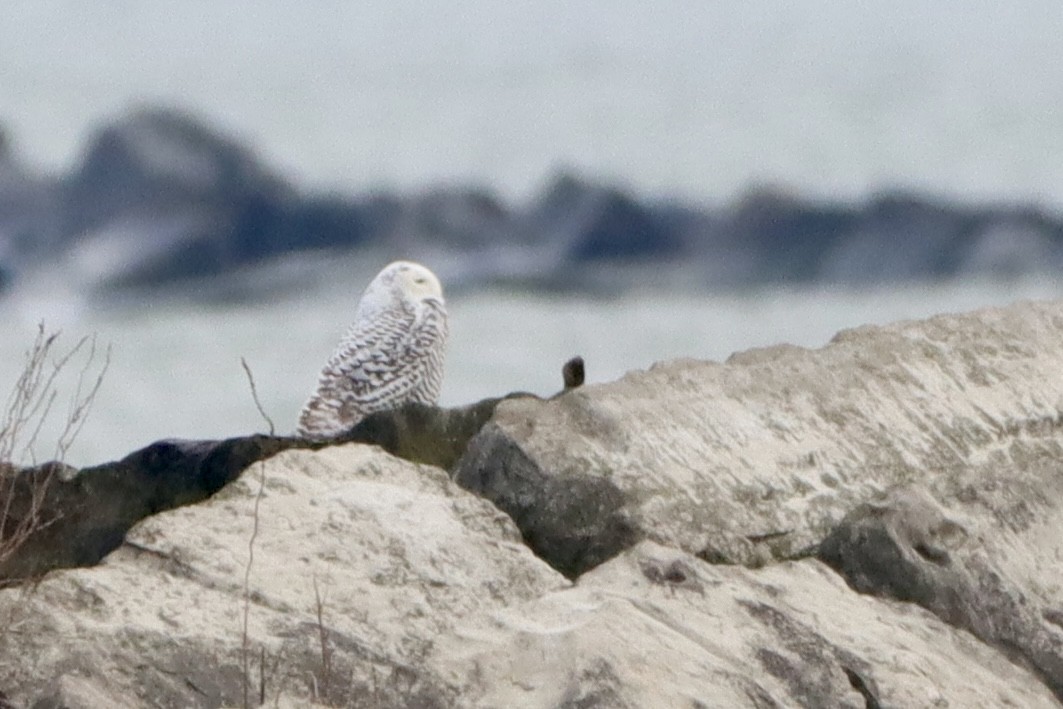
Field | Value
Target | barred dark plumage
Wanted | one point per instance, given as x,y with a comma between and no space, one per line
392,354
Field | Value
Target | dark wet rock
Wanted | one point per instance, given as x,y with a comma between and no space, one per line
424,434
573,522
87,513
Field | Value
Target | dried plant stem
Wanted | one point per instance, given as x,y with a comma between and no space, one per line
245,650
27,410
254,395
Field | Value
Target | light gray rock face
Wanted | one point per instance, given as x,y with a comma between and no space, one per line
658,627
396,553
757,459
923,461
989,563
878,523
89,511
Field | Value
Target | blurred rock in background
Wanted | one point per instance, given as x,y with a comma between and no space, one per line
160,200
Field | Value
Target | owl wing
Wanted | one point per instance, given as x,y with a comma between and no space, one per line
378,365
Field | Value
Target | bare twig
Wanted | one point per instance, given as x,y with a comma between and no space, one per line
254,395
245,648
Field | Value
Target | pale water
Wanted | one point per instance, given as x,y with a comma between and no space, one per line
690,99
175,369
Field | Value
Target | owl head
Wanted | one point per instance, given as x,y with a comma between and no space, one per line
401,281
414,281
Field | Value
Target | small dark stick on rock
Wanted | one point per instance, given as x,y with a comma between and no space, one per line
573,373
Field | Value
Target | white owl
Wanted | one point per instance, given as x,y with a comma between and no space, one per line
392,354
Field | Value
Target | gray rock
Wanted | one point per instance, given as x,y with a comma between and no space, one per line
907,548
877,523
29,225
657,627
593,223
162,201
468,221
154,158
360,563
923,461
757,459
1014,247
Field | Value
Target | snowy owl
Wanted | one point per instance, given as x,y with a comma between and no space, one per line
392,354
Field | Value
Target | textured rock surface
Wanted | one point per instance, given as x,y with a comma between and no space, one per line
756,459
657,627
990,564
878,523
86,513
923,461
395,552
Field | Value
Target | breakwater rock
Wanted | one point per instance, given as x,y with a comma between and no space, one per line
874,523
159,200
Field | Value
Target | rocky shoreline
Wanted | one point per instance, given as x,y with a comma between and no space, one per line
161,201
875,523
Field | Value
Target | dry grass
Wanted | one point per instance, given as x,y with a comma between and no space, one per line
30,413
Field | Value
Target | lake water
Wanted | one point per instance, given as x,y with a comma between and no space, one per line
175,368
684,99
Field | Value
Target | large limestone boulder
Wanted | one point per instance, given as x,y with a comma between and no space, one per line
360,561
923,461
755,460
82,515
658,627
876,523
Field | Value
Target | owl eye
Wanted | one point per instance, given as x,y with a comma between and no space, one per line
420,281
